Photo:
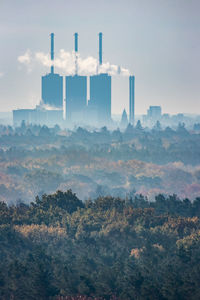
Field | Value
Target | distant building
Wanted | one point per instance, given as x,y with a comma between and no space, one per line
166,116
100,97
132,99
20,115
178,118
99,105
52,84
52,96
37,116
77,111
76,98
154,112
124,119
52,90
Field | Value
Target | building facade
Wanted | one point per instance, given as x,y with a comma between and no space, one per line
75,98
100,97
38,116
52,90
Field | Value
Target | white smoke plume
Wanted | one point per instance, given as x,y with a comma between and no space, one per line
65,62
1,74
42,106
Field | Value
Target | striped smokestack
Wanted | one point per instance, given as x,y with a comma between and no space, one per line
76,42
76,52
52,52
132,99
100,48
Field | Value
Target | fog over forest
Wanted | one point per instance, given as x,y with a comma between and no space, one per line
35,160
98,214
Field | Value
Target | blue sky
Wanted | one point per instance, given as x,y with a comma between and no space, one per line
157,40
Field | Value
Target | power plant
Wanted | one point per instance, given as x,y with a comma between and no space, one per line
76,107
52,84
75,92
100,93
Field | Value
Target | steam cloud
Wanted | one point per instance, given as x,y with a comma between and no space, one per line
42,105
65,62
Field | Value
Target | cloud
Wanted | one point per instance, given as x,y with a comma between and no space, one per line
1,74
66,62
27,60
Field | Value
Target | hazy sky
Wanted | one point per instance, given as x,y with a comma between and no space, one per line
157,40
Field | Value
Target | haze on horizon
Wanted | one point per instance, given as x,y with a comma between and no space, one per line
158,41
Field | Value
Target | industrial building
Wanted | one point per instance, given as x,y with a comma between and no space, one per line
100,92
52,84
99,104
76,98
76,93
77,107
37,116
50,110
52,90
98,110
100,97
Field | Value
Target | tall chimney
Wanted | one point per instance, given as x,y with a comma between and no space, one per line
100,48
52,53
76,51
132,99
76,42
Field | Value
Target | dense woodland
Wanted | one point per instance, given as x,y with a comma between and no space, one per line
35,160
121,235
108,248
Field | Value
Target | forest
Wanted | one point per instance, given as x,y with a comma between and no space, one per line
59,247
35,160
98,214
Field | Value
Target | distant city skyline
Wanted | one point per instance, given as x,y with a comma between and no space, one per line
157,41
